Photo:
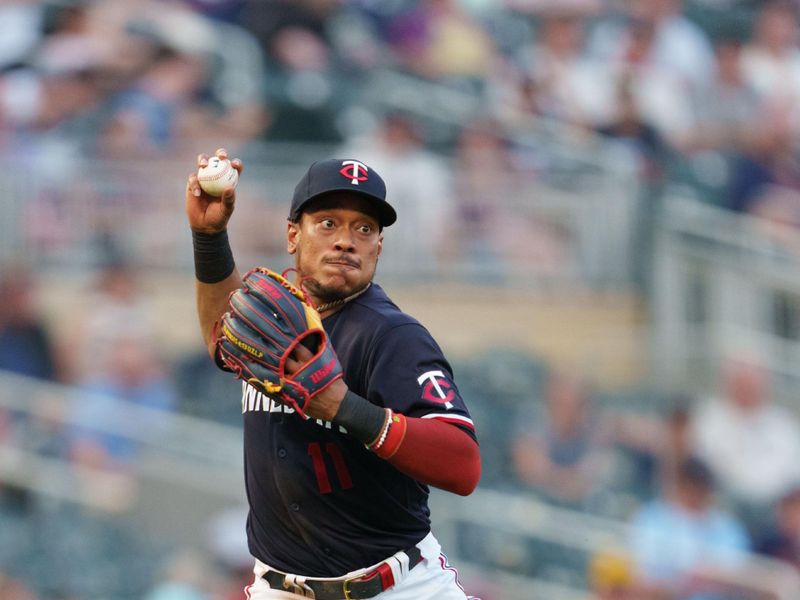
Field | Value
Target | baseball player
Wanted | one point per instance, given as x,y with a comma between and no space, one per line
338,490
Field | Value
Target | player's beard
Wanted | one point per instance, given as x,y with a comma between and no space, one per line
327,294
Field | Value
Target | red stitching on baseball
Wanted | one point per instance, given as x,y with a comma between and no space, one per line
219,175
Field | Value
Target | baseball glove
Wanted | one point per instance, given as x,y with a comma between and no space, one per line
268,318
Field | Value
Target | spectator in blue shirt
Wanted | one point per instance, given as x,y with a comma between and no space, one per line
680,538
25,341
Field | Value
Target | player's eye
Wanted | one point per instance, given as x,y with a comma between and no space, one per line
365,229
327,223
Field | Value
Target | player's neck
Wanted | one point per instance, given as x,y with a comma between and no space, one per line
328,308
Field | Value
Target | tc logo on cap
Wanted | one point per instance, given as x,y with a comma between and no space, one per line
354,170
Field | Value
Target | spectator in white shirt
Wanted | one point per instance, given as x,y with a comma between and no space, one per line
771,60
751,445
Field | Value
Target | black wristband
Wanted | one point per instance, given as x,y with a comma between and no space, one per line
362,419
213,257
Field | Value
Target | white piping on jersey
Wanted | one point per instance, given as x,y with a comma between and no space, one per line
448,416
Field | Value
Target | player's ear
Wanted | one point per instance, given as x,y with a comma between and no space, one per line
380,244
292,237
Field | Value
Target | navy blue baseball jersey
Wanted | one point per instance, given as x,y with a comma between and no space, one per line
321,504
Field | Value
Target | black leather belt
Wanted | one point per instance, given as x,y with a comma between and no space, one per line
368,585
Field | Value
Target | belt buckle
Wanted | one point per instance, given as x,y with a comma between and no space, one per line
380,571
346,586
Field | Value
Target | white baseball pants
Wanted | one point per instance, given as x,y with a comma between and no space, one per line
432,579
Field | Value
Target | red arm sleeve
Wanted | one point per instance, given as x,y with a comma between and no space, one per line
439,454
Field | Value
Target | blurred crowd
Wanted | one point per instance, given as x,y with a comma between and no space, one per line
707,481
696,95
119,385
712,84
700,94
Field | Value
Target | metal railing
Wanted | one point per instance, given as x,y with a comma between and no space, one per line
725,284
543,232
198,462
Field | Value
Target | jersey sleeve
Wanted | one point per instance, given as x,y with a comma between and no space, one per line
409,374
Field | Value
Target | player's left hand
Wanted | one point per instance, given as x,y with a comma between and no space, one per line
325,404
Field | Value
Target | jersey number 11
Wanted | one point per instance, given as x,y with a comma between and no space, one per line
334,453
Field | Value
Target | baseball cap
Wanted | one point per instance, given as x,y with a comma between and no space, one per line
342,175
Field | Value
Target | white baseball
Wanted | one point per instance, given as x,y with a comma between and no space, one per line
218,175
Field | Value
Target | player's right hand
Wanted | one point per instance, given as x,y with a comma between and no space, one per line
206,213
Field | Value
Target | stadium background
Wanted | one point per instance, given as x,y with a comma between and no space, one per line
598,207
